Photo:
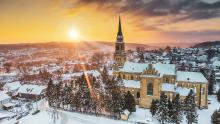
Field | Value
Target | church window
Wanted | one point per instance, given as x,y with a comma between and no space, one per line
132,77
117,47
203,91
123,76
167,80
150,88
138,94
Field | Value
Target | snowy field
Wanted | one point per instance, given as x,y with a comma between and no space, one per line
141,115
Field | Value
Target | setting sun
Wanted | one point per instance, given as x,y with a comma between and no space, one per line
74,35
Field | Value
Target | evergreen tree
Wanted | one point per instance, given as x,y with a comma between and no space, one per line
142,59
163,110
190,108
176,112
130,102
218,95
114,96
104,75
154,107
211,82
49,91
215,118
170,112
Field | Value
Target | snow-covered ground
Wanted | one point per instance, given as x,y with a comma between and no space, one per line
141,115
205,114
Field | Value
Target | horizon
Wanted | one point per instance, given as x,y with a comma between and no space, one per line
143,22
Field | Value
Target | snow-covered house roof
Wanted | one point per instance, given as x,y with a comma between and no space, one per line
12,86
191,77
31,89
126,112
3,96
131,83
216,63
134,67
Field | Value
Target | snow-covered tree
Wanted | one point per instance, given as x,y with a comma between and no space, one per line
130,102
163,110
211,82
218,95
176,111
215,118
49,92
154,107
190,108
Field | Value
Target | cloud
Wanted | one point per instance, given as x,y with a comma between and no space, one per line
177,10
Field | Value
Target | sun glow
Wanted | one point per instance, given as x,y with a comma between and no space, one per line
74,35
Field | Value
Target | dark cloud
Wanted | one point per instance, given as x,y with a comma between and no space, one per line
189,9
180,10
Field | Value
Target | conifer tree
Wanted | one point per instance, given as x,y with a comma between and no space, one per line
154,107
190,108
163,111
215,118
218,95
49,91
142,59
176,115
130,102
211,82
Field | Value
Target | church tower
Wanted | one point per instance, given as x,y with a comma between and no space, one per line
120,54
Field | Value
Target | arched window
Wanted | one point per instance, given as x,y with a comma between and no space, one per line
150,88
123,76
138,94
117,47
203,91
132,78
167,80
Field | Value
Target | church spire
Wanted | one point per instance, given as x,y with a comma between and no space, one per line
119,26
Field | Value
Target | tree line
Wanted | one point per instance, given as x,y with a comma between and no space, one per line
167,111
89,94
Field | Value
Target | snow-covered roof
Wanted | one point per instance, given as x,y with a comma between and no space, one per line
168,87
183,91
126,112
191,77
9,74
131,83
165,69
12,86
3,96
31,89
216,63
134,67
77,74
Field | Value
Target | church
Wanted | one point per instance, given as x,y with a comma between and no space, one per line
146,81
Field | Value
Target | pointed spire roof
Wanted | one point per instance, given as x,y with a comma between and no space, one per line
119,27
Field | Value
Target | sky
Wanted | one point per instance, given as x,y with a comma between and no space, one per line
143,21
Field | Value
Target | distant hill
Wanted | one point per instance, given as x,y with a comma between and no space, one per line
207,44
87,45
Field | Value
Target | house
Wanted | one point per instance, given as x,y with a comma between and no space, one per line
125,115
12,88
30,91
4,99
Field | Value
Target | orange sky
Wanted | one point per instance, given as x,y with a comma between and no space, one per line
25,21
